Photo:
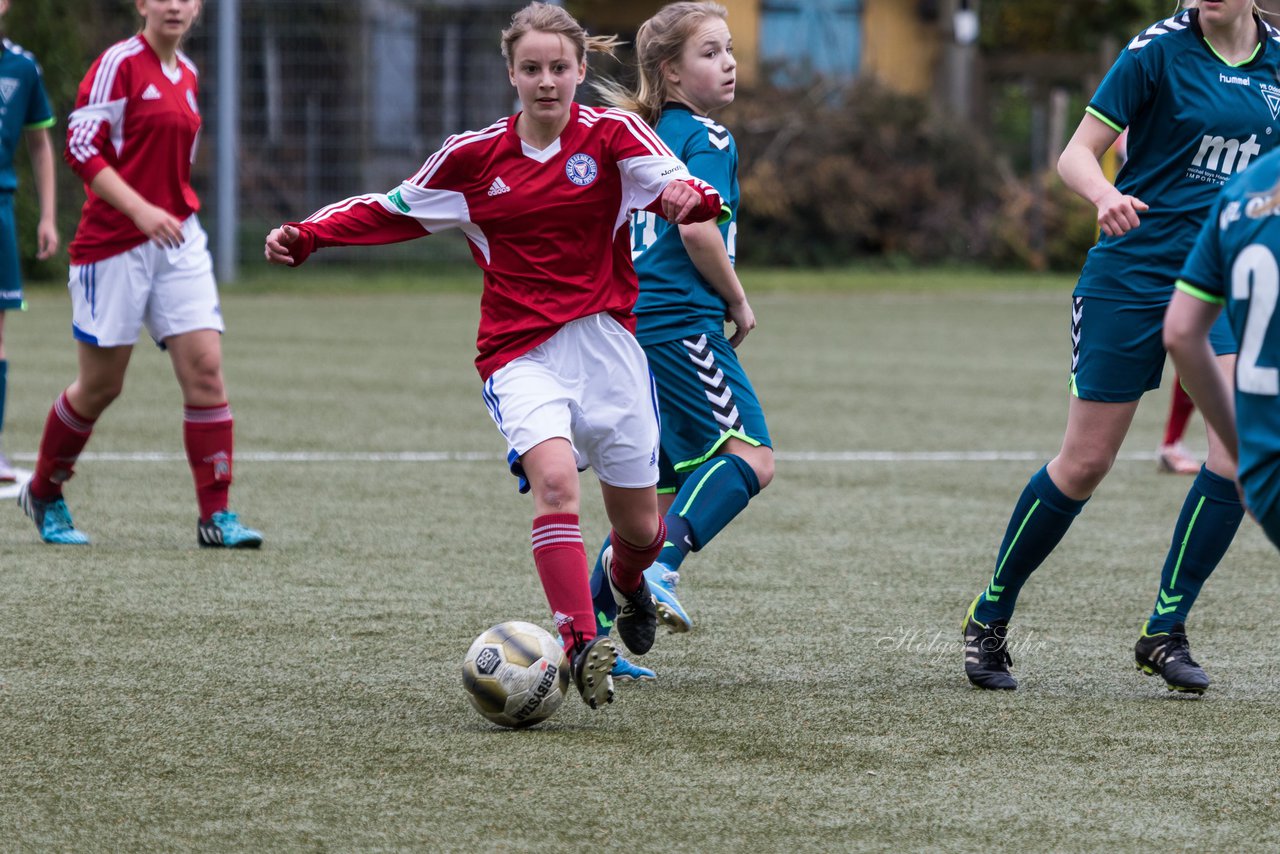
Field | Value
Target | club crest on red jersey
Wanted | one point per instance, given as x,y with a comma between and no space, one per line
581,169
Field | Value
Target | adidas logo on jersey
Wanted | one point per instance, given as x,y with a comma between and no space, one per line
498,187
151,93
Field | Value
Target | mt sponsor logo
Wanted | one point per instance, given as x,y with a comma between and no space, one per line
1219,157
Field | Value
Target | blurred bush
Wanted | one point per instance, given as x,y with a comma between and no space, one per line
861,172
866,172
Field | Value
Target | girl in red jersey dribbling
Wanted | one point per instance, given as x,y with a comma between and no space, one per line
140,257
544,198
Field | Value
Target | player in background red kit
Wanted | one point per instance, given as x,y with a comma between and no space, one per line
140,257
544,198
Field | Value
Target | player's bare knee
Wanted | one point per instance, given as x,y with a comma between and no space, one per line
557,493
93,398
638,530
1080,475
762,465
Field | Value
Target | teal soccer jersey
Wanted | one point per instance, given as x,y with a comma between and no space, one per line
1194,121
23,106
1236,260
675,300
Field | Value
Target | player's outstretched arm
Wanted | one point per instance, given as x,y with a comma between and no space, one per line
285,245
689,200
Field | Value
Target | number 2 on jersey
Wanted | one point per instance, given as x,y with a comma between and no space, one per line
1255,266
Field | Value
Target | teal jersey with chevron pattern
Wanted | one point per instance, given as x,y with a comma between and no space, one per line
23,106
1236,261
675,300
1194,121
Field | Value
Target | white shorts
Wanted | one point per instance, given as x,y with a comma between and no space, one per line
589,383
172,291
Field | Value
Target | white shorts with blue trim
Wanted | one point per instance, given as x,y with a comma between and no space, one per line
171,291
590,384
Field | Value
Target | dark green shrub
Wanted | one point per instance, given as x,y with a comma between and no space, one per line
864,173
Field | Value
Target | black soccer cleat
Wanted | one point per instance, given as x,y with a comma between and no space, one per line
1168,655
637,620
986,654
591,668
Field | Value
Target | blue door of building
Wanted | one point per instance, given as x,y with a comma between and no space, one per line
803,40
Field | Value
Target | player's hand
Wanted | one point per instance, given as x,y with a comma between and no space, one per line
678,201
1118,213
46,239
279,241
161,227
743,320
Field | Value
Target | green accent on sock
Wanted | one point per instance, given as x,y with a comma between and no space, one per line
693,497
1169,600
1014,541
603,620
1186,538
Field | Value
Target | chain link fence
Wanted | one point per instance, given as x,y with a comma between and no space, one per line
338,97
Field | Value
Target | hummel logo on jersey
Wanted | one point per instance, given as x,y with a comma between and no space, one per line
151,93
717,134
8,85
498,187
1234,79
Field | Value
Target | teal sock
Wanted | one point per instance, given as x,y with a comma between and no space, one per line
4,389
1040,520
601,596
710,498
1208,522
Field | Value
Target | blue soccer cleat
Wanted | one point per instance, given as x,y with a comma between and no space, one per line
52,518
626,671
224,531
662,584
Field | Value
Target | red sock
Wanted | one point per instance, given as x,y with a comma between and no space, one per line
207,434
1180,409
630,562
65,434
562,565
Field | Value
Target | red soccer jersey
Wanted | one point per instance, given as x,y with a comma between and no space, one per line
548,228
134,115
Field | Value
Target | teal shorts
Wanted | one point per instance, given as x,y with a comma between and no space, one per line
1261,487
704,398
10,271
1117,348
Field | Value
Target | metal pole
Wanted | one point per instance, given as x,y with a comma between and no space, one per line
227,139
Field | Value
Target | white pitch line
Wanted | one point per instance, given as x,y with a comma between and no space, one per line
483,456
